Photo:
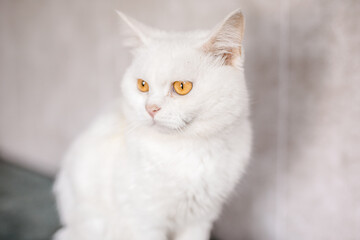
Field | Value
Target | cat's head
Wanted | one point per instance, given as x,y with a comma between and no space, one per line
186,83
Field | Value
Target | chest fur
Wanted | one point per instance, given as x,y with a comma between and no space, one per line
187,178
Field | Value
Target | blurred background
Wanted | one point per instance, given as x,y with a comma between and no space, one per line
61,63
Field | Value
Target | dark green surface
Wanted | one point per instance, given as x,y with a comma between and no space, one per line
27,206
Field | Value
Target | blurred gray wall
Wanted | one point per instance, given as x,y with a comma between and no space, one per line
61,61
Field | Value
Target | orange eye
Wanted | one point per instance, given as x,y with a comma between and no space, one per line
142,85
182,88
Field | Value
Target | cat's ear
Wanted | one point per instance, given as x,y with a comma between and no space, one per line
136,33
226,39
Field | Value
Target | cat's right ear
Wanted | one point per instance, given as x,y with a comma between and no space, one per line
136,34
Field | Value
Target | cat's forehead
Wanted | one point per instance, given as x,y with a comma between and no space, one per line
168,61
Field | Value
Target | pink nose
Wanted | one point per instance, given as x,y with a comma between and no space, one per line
152,109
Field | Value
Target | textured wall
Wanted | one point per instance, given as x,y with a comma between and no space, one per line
60,62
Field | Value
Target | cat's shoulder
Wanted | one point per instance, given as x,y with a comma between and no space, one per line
104,132
108,123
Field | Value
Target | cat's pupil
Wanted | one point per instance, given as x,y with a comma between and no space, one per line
143,83
182,86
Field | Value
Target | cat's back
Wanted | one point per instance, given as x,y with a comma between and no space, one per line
87,168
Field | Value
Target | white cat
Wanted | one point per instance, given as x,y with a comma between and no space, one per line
162,164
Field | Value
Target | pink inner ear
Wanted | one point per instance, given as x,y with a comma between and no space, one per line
229,56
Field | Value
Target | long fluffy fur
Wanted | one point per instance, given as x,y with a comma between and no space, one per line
129,177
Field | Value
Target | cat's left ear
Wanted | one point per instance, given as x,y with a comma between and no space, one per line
137,34
226,39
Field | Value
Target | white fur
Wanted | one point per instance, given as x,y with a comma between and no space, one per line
129,177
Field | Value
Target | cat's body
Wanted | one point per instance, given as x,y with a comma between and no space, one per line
165,172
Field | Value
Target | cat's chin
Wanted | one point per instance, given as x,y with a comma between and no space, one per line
165,129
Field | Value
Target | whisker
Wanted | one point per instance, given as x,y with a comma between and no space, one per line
133,126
